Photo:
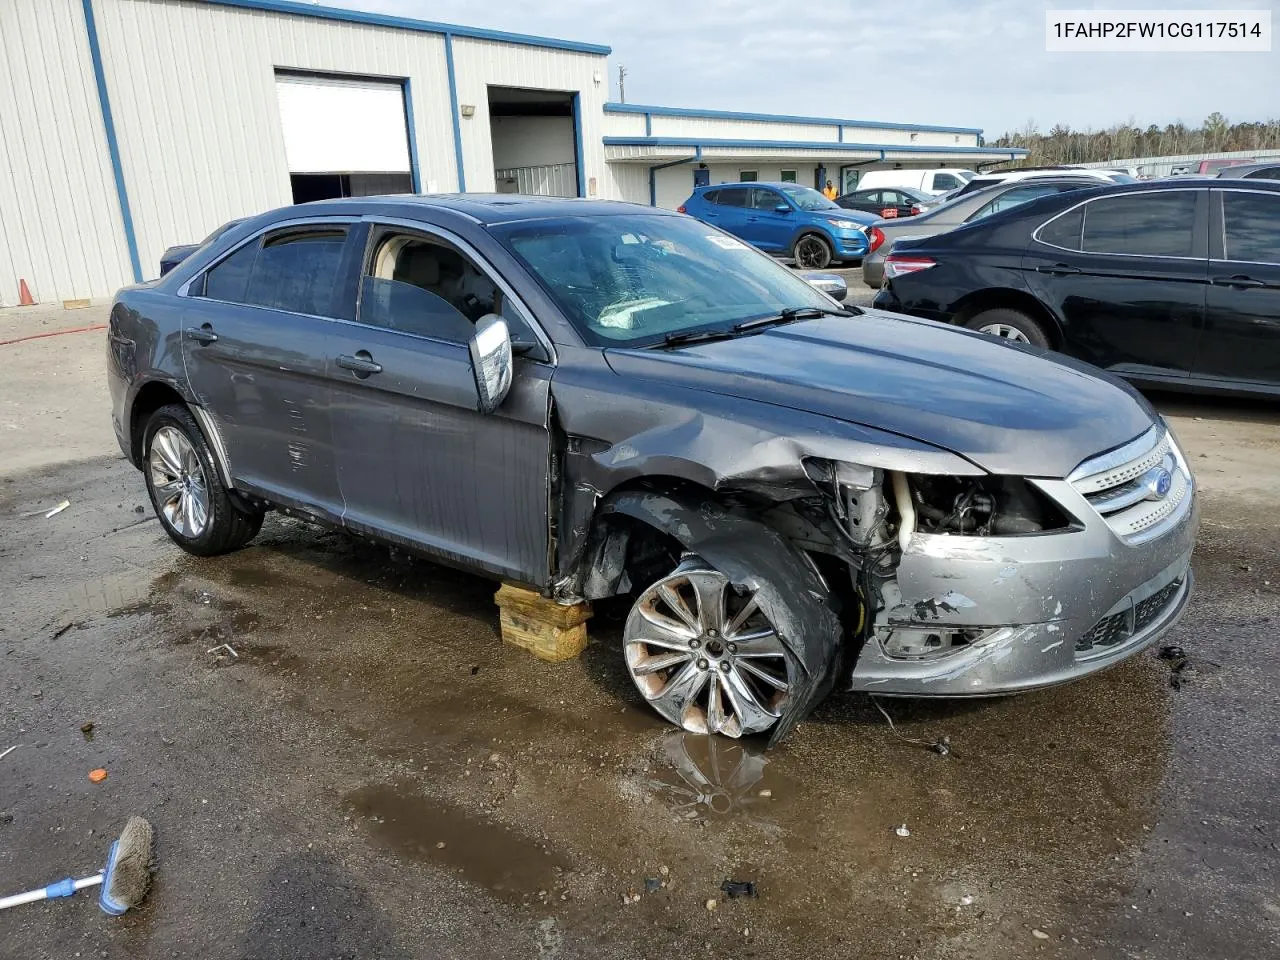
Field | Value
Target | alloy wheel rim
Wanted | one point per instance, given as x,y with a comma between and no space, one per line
1005,332
809,253
705,656
177,477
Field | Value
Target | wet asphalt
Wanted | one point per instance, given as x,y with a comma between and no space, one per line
341,759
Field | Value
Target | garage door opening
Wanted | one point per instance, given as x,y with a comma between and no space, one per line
344,137
535,141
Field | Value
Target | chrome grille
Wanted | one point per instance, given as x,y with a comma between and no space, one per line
1122,486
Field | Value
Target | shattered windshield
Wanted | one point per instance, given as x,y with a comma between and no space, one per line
635,279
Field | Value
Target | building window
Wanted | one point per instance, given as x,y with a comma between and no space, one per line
788,176
748,176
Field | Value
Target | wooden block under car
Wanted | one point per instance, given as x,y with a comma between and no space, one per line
549,630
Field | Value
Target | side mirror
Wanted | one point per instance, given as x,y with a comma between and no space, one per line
832,284
491,361
782,208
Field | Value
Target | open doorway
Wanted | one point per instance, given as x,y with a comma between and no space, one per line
535,142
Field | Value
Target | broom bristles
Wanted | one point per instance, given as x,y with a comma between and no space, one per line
131,872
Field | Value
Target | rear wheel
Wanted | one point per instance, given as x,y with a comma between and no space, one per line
1009,325
812,252
194,507
705,656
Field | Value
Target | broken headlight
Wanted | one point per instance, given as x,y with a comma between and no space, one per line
983,506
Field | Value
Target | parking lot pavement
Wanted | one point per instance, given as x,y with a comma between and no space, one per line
371,773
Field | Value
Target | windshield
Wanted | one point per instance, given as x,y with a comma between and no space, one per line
1121,178
806,198
634,279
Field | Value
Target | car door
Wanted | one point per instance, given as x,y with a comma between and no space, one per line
1126,276
731,209
255,354
767,227
417,462
1242,307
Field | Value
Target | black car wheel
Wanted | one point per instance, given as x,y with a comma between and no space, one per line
811,252
1009,325
194,507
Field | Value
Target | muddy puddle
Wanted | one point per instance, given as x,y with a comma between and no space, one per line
495,856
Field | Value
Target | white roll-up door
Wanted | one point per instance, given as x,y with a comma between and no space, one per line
343,126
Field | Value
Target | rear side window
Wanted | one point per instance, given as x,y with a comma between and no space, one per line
1141,224
1251,227
1064,231
711,196
1013,198
230,278
297,271
294,271
734,197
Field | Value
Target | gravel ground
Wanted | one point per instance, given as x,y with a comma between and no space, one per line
372,774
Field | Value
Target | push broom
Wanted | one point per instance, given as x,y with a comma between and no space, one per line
124,880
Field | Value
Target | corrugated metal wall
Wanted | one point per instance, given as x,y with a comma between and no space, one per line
60,224
193,91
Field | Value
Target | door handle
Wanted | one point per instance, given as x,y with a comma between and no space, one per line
1238,281
202,334
362,364
1057,269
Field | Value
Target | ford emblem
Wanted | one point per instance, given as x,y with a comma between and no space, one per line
1158,483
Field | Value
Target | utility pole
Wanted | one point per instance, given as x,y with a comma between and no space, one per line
622,84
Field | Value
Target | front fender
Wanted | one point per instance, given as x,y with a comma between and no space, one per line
787,588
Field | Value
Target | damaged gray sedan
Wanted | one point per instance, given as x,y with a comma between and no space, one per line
599,399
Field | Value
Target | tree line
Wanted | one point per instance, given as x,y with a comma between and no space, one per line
1125,140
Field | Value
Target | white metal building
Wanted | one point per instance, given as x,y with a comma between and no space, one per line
127,126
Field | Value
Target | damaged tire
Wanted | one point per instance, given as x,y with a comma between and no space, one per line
200,514
705,656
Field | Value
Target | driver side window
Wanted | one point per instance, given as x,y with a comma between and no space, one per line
427,288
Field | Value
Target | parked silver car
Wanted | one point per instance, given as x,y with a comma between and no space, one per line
953,213
599,399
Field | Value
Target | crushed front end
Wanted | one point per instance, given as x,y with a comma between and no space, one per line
978,586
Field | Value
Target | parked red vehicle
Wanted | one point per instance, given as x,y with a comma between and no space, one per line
1213,166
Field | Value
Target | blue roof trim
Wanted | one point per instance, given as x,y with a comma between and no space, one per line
407,23
113,145
780,118
846,147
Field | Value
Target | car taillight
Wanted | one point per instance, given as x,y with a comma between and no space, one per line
916,209
681,209
876,236
898,264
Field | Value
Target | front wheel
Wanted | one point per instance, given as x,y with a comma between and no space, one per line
812,252
704,655
194,507
1009,325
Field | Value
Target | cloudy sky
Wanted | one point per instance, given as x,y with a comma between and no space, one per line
979,63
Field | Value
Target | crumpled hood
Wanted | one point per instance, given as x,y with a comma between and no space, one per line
1007,408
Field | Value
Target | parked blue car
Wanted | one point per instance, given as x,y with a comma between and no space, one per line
784,219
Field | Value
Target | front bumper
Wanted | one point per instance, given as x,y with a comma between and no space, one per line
1051,607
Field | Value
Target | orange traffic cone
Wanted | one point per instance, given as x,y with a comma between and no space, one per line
24,294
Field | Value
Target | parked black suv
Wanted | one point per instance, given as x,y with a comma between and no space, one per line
1175,283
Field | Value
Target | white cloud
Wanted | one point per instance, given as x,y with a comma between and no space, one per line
978,63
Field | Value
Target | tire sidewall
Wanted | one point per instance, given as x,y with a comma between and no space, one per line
1030,328
181,420
830,251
